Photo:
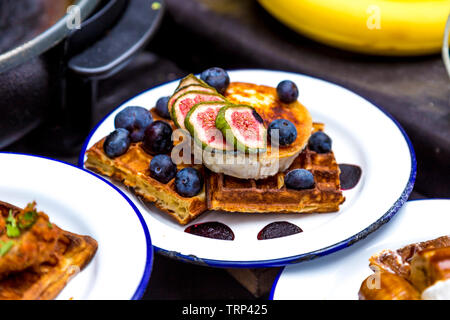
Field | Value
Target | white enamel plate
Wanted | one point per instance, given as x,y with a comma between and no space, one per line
78,201
362,135
339,276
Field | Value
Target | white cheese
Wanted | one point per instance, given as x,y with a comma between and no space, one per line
438,291
247,166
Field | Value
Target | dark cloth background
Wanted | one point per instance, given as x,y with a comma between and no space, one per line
198,34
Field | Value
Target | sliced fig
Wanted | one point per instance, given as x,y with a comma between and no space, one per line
183,90
190,80
243,127
201,123
185,102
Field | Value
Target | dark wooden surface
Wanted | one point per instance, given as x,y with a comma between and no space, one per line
195,36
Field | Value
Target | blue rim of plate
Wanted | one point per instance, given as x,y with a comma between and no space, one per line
149,259
281,262
277,278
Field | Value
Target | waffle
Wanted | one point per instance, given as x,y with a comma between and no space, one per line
399,261
221,191
132,169
46,279
271,195
415,272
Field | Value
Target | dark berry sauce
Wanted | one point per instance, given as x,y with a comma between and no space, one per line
278,229
214,230
350,175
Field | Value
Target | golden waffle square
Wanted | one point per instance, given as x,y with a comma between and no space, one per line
271,195
399,261
44,279
405,273
132,169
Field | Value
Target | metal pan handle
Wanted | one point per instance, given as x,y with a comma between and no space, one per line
129,26
129,34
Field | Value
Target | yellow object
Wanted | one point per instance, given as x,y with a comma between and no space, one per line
381,27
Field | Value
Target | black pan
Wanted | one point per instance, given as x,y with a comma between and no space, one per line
49,70
29,28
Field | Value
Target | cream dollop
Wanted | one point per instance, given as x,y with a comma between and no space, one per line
438,291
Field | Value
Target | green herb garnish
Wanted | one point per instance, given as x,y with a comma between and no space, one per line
27,219
50,225
12,231
5,247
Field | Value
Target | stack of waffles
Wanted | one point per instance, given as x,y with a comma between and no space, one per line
265,194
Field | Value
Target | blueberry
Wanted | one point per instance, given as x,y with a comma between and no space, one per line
117,143
162,168
158,138
135,120
299,179
188,182
320,142
287,91
162,108
216,78
287,132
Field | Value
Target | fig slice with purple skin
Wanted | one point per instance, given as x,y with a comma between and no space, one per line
213,230
185,102
278,229
190,80
243,128
201,124
183,90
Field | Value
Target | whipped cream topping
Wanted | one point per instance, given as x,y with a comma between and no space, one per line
438,291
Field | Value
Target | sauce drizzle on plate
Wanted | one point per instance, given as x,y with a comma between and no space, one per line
350,176
214,230
278,229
